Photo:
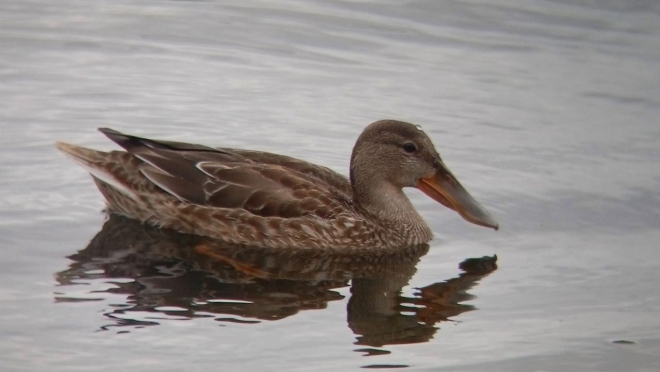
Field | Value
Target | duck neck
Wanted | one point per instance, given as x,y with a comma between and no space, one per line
389,204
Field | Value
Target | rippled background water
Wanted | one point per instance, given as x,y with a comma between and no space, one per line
547,111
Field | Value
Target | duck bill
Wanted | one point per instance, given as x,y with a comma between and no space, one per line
444,188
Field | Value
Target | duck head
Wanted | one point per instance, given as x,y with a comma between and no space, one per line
390,155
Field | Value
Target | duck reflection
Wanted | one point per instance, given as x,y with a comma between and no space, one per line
169,274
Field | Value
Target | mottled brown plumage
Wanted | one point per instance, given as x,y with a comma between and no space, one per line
269,200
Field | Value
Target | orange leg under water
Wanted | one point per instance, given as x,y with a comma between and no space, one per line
237,265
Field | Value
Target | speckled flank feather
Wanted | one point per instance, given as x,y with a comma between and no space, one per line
250,197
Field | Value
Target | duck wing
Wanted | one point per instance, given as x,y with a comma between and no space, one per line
323,174
262,183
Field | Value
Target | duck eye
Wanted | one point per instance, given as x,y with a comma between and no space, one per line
409,147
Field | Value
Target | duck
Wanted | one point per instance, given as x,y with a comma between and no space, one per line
261,199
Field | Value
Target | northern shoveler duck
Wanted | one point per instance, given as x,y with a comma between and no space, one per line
268,200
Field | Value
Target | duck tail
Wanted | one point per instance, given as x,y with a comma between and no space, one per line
83,156
112,171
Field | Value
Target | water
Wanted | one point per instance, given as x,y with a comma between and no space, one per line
547,111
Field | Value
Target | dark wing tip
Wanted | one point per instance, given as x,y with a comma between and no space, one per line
113,134
130,142
108,131
126,141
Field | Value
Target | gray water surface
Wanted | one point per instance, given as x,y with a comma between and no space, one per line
547,111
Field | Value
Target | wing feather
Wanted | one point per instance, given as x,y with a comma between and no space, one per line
261,183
